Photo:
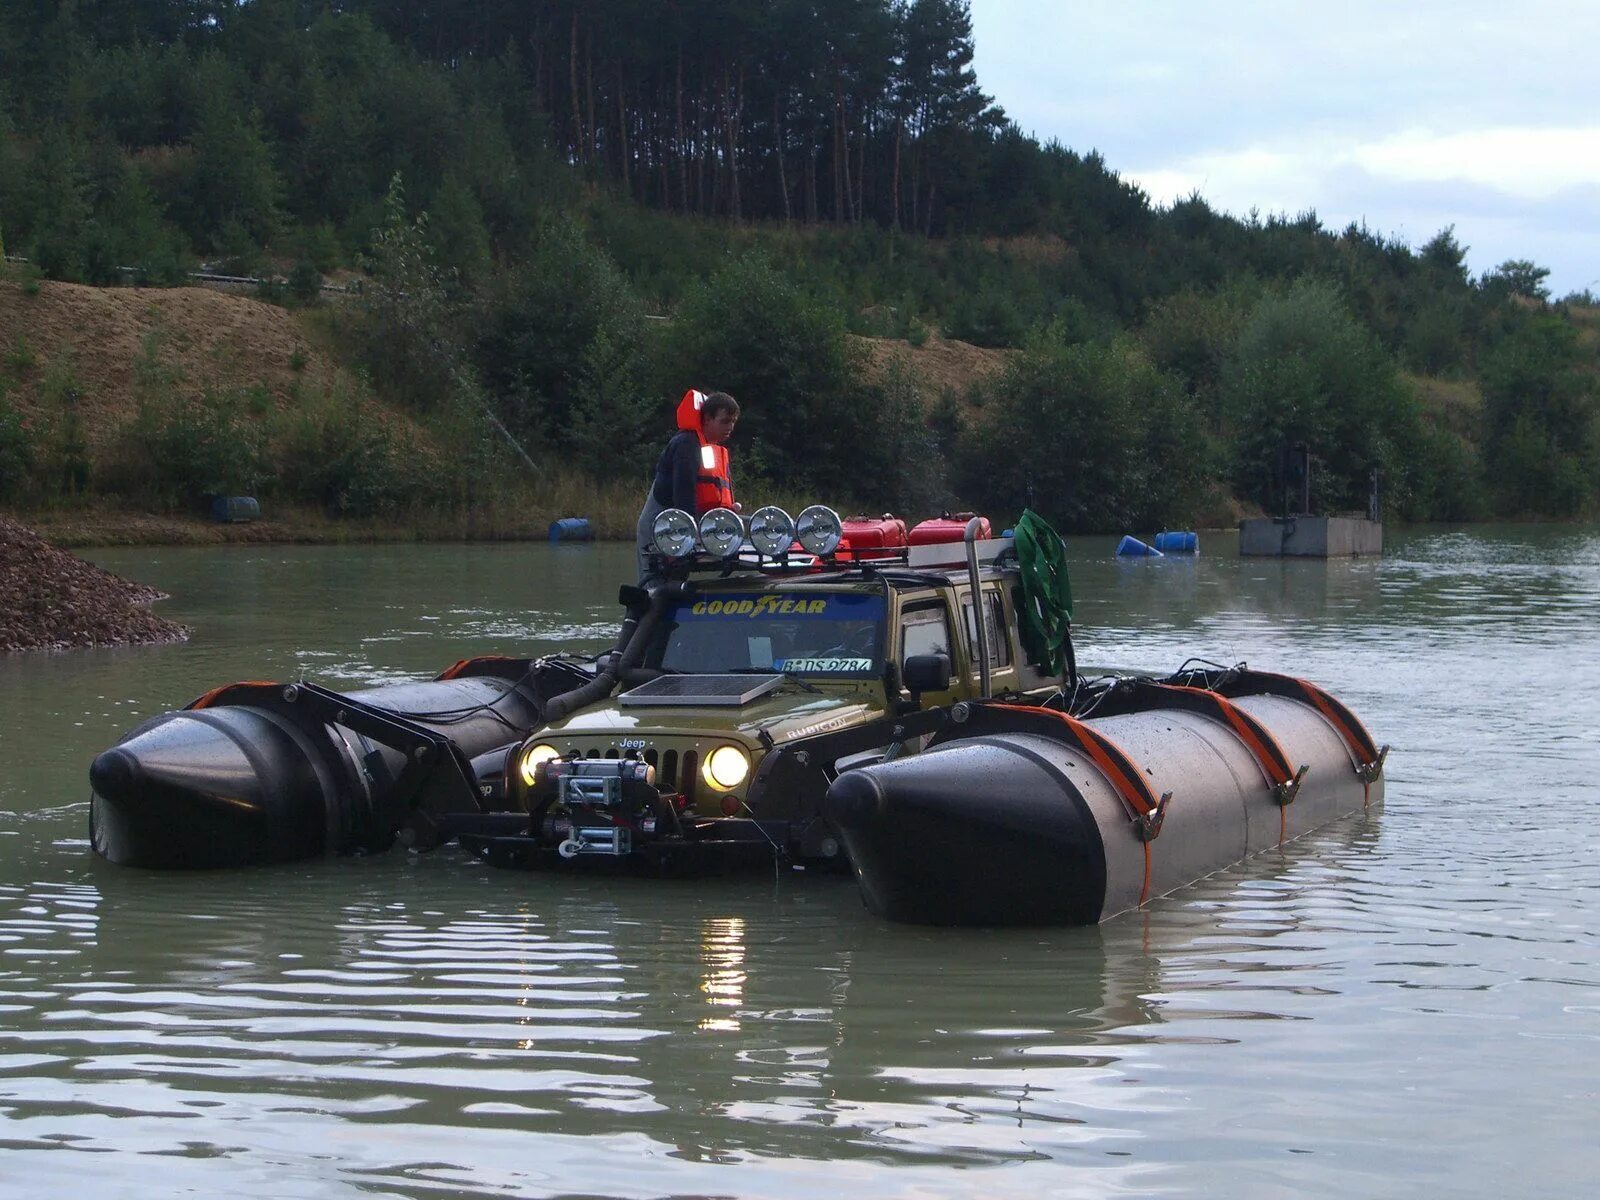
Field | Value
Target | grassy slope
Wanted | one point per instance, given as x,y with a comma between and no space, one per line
205,339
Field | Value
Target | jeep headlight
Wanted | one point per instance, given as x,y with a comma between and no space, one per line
674,532
721,531
528,768
771,530
726,767
819,529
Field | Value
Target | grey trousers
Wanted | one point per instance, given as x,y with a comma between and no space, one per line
644,537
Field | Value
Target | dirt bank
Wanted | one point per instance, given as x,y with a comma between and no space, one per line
97,337
52,600
941,365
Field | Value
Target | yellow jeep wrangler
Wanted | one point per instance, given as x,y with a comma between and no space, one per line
739,690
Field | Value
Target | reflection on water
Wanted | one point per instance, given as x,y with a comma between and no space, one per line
1380,1009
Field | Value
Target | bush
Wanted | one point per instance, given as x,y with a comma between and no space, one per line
987,317
61,458
1192,334
181,450
305,282
563,353
1447,480
1092,436
1304,371
914,477
335,451
808,421
16,450
408,317
1543,419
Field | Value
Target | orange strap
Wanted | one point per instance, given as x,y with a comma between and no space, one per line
1368,757
1145,811
461,664
1263,747
1113,762
216,694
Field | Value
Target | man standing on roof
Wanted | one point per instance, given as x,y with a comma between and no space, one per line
692,472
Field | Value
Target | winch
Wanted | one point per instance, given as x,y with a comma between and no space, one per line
602,802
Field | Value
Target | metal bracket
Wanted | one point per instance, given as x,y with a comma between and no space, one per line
436,778
1284,793
1147,826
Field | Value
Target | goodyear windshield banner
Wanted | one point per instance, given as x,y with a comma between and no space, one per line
817,633
837,606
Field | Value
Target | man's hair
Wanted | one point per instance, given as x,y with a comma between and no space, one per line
717,402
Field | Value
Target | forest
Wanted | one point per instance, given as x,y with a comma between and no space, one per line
557,215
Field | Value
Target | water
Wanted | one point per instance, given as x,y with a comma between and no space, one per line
1405,1003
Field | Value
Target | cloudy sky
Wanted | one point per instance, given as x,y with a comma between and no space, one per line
1409,115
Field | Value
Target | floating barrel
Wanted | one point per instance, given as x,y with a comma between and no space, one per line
571,529
1132,547
1026,816
257,773
235,509
1176,542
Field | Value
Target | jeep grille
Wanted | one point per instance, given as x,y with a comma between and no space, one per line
674,772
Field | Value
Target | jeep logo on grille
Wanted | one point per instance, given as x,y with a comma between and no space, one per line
632,744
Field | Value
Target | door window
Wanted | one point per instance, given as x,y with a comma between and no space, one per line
925,630
993,629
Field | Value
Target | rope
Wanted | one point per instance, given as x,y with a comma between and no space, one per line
1044,618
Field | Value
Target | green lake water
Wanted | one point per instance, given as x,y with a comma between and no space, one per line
1405,1003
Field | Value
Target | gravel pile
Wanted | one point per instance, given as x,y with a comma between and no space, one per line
52,600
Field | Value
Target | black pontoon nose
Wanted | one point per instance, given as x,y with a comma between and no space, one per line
209,788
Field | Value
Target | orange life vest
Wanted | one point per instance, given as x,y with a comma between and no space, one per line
713,486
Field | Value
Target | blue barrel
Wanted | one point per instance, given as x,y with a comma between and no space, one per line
231,509
571,529
1174,542
1132,547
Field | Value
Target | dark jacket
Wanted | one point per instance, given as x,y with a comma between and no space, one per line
675,472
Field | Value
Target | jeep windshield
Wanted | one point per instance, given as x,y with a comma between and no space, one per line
838,635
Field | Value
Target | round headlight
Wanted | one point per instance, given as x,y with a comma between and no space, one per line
726,767
819,529
532,757
674,532
721,531
771,529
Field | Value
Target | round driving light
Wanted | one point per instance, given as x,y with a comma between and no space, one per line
529,767
721,531
726,767
819,529
673,532
771,529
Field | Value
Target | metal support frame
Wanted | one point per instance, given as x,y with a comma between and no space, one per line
436,778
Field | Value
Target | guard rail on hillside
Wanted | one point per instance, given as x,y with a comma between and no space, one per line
213,277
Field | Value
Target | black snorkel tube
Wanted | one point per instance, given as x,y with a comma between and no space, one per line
638,630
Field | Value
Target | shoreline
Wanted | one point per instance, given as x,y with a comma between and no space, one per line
79,530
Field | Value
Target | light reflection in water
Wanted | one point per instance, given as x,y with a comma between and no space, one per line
722,955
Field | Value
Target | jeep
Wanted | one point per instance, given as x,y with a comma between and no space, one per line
744,689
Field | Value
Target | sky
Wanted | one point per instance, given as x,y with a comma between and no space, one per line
1407,115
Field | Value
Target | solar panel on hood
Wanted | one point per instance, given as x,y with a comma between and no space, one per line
694,691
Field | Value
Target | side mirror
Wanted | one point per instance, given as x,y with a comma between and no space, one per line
927,673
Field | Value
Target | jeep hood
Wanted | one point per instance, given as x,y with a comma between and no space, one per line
788,713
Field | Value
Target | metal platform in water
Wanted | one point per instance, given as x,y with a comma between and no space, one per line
1310,537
